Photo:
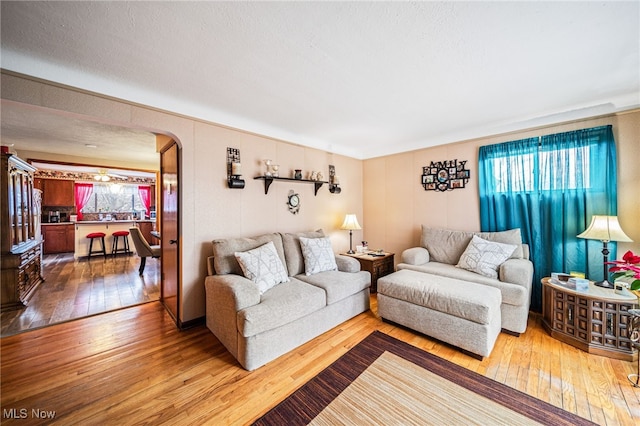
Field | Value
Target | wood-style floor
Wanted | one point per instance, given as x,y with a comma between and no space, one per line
133,366
78,288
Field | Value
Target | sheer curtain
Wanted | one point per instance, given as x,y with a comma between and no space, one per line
549,187
145,196
83,193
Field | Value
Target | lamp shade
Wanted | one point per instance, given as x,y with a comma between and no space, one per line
350,222
605,228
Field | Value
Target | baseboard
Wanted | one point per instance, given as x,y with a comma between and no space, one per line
192,323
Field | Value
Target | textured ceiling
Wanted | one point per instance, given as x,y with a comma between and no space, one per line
362,79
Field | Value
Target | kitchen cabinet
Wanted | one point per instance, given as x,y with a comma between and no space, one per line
58,238
57,193
21,260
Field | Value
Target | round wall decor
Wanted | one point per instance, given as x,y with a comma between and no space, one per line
293,202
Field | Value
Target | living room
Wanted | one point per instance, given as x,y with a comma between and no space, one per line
385,191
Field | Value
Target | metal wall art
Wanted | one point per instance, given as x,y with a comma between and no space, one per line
234,169
445,175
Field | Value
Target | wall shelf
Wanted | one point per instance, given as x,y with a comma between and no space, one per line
268,180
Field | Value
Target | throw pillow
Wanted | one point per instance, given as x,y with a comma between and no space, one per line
318,255
484,257
263,266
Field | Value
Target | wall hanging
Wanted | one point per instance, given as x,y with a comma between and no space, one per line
293,202
234,169
445,175
334,181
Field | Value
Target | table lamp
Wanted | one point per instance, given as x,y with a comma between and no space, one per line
605,229
350,223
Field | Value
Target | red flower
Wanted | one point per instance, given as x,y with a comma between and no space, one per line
629,266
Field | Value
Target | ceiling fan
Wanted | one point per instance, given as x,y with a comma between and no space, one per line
104,176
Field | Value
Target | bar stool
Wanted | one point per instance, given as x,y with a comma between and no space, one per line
100,236
116,236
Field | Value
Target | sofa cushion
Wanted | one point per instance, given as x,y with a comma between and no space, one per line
293,251
318,255
339,285
281,305
512,294
224,259
485,257
446,246
262,266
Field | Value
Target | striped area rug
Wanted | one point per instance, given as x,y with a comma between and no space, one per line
384,381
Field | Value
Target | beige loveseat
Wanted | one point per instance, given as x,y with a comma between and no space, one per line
257,324
441,250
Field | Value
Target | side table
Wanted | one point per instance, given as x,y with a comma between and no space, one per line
635,341
378,265
598,321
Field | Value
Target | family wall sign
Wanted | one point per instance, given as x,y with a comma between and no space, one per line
445,175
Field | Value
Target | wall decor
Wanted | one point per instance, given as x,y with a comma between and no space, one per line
334,181
445,175
293,202
234,169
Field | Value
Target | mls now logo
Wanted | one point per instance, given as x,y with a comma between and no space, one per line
15,413
23,413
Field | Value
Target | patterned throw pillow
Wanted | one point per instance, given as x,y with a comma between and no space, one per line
485,257
318,255
263,266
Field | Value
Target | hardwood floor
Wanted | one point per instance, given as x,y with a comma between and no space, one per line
78,288
133,366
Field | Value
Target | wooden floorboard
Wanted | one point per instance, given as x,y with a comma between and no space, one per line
77,288
132,366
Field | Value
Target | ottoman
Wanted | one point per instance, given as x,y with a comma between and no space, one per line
461,313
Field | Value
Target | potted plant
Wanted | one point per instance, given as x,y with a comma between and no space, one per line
627,270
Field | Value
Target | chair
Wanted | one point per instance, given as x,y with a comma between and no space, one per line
143,248
100,237
125,242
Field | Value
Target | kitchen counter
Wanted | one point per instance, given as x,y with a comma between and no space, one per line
89,222
83,222
108,227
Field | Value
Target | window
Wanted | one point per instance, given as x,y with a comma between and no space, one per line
549,187
558,169
114,198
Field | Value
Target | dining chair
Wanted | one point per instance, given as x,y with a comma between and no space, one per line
143,248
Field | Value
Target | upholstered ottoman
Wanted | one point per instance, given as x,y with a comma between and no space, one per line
461,313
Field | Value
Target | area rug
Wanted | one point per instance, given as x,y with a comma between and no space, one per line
385,381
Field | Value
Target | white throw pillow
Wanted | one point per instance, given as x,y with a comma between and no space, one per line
318,255
485,257
263,266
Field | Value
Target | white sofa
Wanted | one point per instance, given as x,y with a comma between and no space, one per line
440,251
257,328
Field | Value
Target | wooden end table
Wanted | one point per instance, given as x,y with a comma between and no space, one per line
597,321
377,265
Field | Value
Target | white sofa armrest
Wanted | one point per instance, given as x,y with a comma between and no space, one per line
517,271
231,290
347,264
225,296
415,256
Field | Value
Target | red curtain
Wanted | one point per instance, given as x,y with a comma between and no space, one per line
83,192
145,196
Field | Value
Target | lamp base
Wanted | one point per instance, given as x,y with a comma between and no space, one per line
351,252
604,284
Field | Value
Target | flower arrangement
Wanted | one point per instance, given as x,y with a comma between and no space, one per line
628,267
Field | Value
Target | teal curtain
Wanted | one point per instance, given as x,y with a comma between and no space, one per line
549,187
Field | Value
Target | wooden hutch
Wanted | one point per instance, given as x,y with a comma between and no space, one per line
21,247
